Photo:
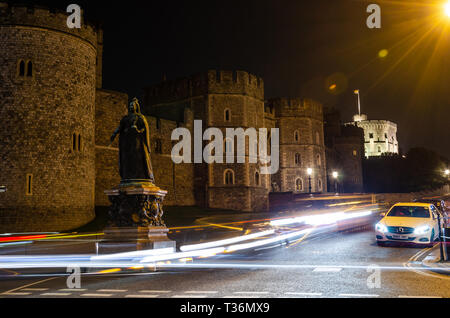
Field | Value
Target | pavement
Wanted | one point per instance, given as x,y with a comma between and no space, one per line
433,262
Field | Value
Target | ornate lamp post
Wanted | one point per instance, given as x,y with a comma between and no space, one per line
309,171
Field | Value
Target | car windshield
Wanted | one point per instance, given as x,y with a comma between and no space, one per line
410,211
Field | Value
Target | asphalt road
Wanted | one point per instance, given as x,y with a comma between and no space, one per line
329,265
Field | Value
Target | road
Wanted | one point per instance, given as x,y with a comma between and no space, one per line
335,264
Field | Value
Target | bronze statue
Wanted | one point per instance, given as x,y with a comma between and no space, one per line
134,146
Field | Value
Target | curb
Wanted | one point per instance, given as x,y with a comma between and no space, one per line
432,262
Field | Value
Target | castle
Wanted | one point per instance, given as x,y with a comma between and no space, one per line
380,136
56,160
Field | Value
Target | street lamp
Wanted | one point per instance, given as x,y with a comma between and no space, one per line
447,9
447,172
335,176
309,171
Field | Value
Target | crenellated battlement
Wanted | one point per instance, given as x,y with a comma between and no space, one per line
210,82
296,107
46,18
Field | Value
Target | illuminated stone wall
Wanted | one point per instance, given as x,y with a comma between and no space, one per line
47,133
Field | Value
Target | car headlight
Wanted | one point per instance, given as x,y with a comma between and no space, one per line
381,228
422,229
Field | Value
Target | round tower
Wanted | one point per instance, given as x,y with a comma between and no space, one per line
47,106
302,147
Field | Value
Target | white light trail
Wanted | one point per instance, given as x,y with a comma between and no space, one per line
321,219
275,239
135,254
226,241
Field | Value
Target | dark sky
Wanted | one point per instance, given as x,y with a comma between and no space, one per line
298,47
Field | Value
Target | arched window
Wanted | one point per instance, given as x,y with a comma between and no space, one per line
296,136
227,115
319,184
29,69
317,138
299,185
298,159
379,149
319,161
257,179
228,177
21,68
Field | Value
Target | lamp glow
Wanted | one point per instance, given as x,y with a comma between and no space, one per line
447,9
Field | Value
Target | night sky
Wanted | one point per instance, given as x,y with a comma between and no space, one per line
300,48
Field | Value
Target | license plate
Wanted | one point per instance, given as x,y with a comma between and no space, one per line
400,237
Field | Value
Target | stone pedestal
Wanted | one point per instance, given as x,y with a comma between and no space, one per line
135,219
128,239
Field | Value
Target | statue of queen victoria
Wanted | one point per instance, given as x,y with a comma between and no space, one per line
134,146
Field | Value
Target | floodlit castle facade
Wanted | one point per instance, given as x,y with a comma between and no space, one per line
380,136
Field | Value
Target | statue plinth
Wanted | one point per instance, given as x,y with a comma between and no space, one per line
135,218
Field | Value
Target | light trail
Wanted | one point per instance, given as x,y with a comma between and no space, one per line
226,241
156,258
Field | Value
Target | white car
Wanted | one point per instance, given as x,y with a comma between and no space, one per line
409,222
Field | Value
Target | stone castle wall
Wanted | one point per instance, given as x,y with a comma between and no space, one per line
301,145
48,129
110,107
209,95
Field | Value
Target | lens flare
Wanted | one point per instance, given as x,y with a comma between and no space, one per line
447,9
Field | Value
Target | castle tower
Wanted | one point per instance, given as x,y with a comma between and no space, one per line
300,123
221,99
47,97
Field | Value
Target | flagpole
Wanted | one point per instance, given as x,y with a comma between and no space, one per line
359,102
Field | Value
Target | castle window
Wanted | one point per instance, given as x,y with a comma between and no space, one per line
371,135
79,142
228,177
319,161
299,185
158,123
158,146
317,138
379,149
297,136
29,69
29,189
227,115
74,142
319,184
21,71
298,159
257,179
355,153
